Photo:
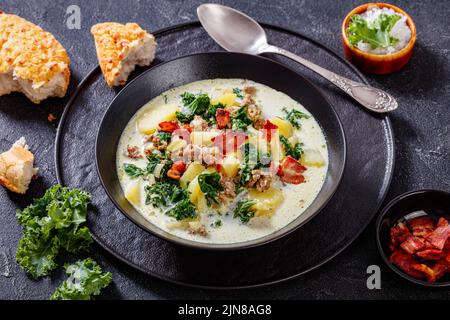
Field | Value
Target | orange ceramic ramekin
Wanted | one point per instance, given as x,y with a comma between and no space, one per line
376,63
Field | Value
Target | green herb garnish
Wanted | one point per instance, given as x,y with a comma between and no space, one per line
50,223
295,151
196,105
210,186
86,279
238,92
210,114
244,210
169,196
241,121
164,136
216,224
293,116
376,34
132,170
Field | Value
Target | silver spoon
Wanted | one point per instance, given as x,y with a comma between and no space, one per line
235,31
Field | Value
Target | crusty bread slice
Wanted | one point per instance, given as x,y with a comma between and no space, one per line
32,61
120,48
16,167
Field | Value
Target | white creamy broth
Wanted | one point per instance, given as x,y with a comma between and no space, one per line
296,197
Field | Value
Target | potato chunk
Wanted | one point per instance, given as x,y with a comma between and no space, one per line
133,192
192,171
230,166
228,100
312,158
266,202
203,138
284,126
194,191
149,121
175,145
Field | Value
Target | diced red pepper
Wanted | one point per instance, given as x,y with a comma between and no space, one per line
168,126
222,118
177,169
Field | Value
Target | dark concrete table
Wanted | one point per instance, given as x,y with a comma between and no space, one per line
421,125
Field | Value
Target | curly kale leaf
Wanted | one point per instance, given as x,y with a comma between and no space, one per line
86,279
193,105
244,210
52,222
295,151
241,121
210,186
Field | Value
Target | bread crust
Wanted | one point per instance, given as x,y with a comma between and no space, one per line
113,42
31,54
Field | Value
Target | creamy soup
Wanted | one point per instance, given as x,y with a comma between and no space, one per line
205,189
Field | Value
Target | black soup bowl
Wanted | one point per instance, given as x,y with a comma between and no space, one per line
214,65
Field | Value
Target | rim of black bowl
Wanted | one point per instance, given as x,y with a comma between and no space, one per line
162,234
380,246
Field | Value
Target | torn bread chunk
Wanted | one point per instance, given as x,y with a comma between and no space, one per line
16,167
32,61
120,48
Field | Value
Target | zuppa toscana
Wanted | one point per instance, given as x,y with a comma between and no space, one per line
222,160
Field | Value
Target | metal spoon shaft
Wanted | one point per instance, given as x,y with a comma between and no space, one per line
372,98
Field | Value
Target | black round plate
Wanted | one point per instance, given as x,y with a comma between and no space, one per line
215,65
369,166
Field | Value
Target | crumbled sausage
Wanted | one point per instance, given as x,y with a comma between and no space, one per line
229,188
200,231
259,180
198,124
133,152
157,143
254,114
251,90
248,99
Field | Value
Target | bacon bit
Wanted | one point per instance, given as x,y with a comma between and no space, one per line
178,168
267,130
405,262
421,226
291,171
430,254
51,117
133,152
432,274
399,233
424,251
440,235
222,118
168,126
412,244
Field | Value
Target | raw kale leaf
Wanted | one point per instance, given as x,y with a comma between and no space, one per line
86,279
52,222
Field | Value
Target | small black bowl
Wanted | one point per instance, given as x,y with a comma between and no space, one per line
432,201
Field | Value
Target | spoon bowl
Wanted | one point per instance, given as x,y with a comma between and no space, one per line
232,29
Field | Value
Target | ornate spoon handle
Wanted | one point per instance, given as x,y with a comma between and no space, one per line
372,98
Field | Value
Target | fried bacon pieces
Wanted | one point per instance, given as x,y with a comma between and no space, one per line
421,248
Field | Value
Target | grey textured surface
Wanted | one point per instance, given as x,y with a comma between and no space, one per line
421,128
